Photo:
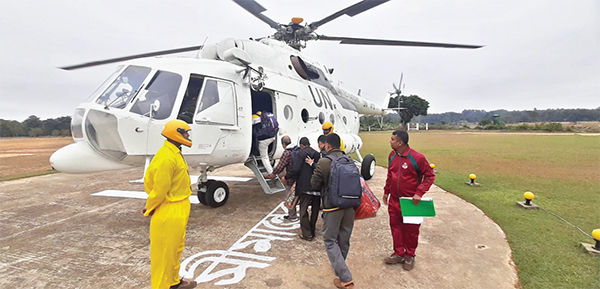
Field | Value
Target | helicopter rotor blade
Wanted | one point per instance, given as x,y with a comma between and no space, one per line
350,11
365,41
256,9
119,59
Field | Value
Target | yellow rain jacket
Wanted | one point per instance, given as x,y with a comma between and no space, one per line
167,183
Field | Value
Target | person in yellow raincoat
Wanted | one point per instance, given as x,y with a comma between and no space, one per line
167,183
328,129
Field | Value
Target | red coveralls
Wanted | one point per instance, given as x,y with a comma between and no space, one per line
402,181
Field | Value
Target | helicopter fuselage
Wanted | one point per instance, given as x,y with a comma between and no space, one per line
122,121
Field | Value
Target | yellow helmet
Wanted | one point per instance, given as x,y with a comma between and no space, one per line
175,129
255,118
327,126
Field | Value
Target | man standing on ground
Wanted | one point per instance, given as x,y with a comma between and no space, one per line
321,143
337,222
409,175
167,183
302,172
285,163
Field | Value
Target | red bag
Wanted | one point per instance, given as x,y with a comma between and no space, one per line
369,204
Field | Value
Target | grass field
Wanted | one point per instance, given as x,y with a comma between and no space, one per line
22,157
563,171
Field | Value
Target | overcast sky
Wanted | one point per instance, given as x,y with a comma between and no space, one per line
538,54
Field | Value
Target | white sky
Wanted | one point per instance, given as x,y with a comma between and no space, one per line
538,53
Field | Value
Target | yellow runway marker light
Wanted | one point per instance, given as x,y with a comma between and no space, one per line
596,235
528,197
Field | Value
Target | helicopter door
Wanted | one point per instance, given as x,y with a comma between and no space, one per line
216,118
288,115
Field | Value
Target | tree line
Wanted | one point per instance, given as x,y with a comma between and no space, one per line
33,126
531,116
415,109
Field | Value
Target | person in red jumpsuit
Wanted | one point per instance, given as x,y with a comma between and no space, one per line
409,175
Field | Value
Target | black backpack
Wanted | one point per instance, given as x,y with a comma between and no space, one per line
345,190
294,152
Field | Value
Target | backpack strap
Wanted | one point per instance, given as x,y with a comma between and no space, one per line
415,166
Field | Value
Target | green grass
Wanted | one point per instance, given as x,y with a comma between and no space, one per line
563,171
27,175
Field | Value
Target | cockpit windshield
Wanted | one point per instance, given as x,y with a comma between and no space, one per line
158,97
124,87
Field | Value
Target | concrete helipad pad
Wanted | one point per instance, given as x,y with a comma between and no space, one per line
55,234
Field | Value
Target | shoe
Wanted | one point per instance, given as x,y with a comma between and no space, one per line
340,284
291,219
306,238
394,259
185,284
409,264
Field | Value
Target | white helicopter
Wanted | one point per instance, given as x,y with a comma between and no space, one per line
217,92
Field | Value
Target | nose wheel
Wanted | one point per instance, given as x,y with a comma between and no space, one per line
213,193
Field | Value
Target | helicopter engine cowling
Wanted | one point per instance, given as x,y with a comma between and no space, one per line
352,142
79,158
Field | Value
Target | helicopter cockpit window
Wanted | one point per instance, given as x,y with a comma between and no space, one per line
210,96
122,89
159,97
217,104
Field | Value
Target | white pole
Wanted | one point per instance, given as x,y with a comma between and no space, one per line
426,126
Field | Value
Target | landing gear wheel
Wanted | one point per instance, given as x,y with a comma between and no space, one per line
217,193
202,188
367,168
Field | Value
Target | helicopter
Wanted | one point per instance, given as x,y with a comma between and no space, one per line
217,92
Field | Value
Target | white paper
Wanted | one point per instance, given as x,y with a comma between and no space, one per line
413,220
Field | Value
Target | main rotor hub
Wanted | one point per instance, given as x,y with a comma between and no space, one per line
294,34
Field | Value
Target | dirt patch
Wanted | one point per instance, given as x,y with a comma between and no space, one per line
28,155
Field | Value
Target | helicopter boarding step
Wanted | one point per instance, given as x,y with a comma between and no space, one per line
269,186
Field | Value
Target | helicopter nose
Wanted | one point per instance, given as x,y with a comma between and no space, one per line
79,158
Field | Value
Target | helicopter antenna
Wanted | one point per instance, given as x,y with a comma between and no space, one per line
201,47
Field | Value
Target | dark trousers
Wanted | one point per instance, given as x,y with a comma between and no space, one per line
337,229
406,236
308,224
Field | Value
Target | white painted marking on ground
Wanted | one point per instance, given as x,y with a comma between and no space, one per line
262,243
133,195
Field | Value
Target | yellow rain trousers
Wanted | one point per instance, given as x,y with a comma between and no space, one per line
167,183
167,239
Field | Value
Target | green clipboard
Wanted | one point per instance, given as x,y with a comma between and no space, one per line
424,209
